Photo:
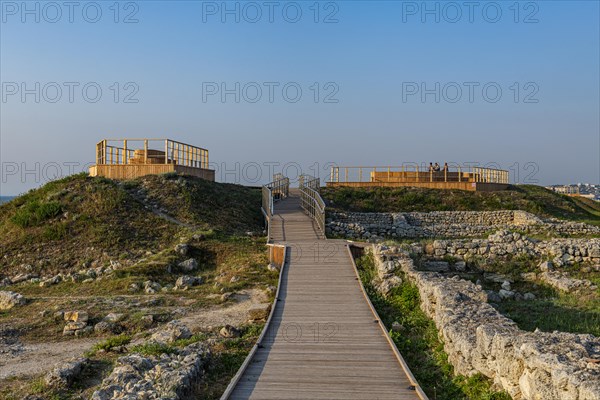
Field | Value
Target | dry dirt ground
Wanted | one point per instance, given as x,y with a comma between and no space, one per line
19,359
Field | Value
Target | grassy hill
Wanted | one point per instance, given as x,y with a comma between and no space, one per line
69,223
531,198
80,226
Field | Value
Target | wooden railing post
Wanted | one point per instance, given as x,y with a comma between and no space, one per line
166,151
145,151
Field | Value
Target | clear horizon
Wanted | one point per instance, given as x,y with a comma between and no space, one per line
304,85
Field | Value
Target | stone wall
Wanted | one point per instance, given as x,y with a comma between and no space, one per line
165,377
505,243
478,339
445,224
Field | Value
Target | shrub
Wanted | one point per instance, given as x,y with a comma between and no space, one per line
34,213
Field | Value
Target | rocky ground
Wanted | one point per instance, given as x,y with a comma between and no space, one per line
514,296
479,339
176,314
158,288
21,357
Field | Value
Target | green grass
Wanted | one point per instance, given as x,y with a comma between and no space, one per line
513,266
200,337
110,344
56,231
420,345
552,309
35,213
153,349
531,198
228,356
38,386
107,220
81,222
208,205
553,314
591,206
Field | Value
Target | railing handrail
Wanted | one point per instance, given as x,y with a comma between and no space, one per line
311,201
118,152
413,172
150,140
280,188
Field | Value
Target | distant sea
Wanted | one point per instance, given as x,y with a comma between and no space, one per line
5,199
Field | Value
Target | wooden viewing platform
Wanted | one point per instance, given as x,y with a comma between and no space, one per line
132,158
323,339
456,177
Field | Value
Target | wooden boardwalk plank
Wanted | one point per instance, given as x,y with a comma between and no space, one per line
323,341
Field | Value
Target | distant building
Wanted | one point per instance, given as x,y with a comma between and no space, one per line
564,189
586,190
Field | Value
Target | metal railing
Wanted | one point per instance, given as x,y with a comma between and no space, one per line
413,172
280,187
276,190
311,201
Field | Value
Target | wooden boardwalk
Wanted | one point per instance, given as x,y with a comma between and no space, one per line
323,341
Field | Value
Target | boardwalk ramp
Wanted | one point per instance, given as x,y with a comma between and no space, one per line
324,339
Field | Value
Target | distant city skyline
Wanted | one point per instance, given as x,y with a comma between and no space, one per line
302,86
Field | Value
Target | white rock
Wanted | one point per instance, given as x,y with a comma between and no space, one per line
9,300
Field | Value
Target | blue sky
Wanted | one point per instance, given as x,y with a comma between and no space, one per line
367,63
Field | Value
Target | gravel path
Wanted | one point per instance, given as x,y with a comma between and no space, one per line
37,358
